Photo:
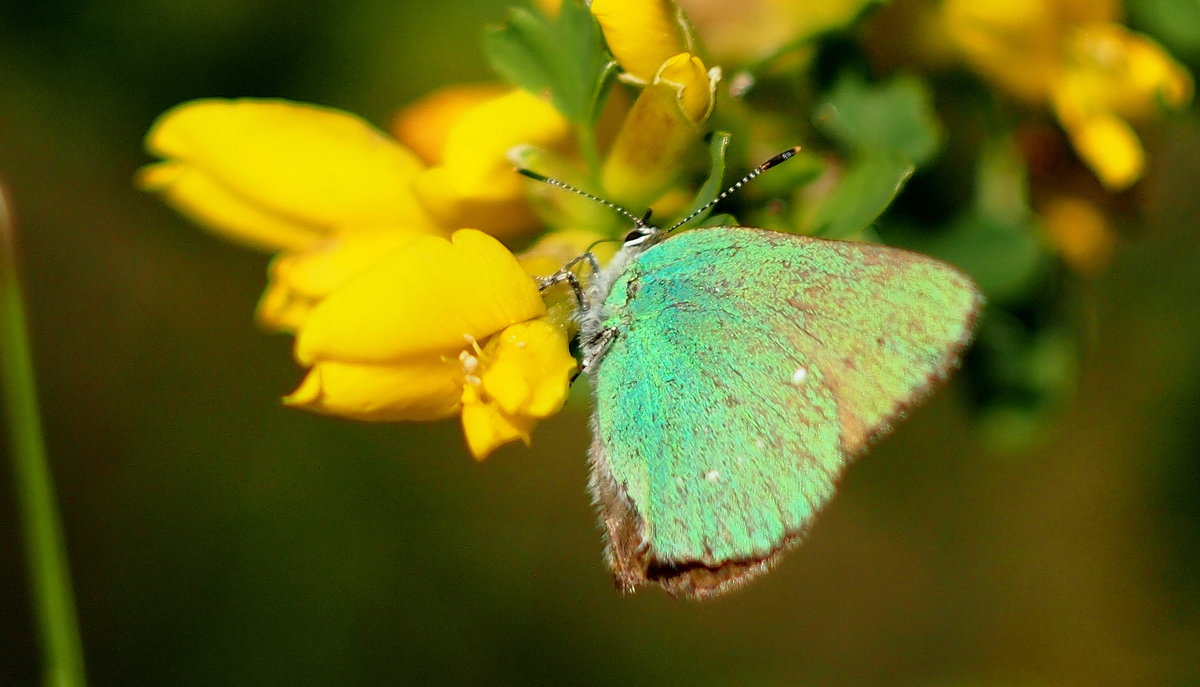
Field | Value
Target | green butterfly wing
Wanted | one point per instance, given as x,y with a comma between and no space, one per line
745,369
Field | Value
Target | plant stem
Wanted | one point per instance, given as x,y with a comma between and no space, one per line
591,154
45,552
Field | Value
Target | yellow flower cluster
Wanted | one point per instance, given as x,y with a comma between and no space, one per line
387,269
1096,75
650,41
384,297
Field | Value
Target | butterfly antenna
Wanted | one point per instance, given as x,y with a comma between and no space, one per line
640,222
781,157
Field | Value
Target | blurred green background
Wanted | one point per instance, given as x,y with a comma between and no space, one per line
219,538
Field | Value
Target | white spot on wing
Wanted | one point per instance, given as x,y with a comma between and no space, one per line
799,376
713,476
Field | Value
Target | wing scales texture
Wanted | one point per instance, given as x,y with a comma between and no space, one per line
747,368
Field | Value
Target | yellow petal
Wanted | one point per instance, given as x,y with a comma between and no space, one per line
425,388
521,376
1152,71
1017,43
1080,231
478,143
430,295
662,127
305,165
694,86
424,127
499,210
642,34
1113,68
1109,146
486,427
1085,11
301,279
194,193
475,185
528,369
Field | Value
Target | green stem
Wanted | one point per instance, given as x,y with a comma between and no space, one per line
590,151
50,580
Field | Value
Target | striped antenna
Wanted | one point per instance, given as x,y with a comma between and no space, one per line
781,157
640,222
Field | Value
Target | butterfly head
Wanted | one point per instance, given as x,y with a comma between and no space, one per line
642,231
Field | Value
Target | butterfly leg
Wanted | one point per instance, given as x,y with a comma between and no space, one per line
564,275
595,349
567,274
590,258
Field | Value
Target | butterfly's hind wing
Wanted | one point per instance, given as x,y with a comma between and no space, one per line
746,369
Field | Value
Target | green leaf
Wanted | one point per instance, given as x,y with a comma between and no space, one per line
888,129
565,58
861,196
869,119
523,50
590,70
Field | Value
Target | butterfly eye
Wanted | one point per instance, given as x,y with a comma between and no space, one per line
639,234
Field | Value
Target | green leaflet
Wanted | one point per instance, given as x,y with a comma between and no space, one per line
565,58
888,130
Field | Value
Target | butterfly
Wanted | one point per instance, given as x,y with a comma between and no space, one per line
736,372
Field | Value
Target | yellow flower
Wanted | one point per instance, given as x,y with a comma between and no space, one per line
325,188
651,43
642,34
424,126
468,132
1019,43
422,389
1080,231
663,125
426,298
277,175
394,321
434,328
299,280
1112,75
519,377
1096,75
322,186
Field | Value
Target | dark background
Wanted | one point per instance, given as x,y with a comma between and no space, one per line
219,538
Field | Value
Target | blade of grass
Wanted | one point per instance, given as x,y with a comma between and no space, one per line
45,551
